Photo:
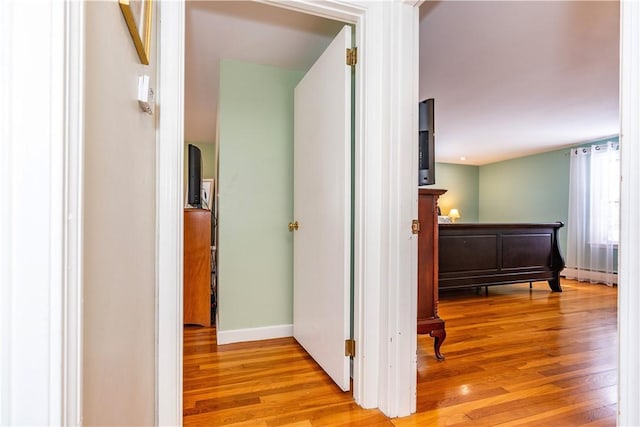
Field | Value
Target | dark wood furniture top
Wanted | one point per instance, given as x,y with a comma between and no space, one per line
472,255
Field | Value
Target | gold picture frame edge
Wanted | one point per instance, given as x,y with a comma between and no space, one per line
142,46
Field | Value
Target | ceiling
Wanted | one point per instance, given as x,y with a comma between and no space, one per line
510,78
244,31
516,78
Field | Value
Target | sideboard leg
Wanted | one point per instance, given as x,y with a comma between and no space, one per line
438,336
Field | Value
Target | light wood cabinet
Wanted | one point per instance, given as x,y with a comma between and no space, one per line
428,320
197,267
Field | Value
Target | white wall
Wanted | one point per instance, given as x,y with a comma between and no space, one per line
119,229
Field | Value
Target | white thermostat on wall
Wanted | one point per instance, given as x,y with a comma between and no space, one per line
145,94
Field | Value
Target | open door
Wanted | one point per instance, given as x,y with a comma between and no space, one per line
322,210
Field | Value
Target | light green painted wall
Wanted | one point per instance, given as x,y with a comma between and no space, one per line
461,183
527,189
255,182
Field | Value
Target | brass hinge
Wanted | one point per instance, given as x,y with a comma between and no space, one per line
352,56
350,348
415,226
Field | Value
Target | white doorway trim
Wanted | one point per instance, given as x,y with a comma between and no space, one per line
73,208
169,211
41,136
629,269
385,202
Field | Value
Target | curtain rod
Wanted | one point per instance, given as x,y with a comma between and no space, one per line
614,144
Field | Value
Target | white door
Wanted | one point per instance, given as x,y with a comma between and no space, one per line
322,207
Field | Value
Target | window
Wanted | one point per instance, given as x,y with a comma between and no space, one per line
604,183
594,213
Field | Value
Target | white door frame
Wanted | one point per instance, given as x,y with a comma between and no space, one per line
169,211
629,269
41,146
385,201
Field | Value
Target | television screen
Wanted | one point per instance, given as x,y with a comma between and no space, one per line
426,142
194,177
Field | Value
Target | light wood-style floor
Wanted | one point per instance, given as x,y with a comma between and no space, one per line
516,357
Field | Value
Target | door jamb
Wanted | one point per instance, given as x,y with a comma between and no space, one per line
385,202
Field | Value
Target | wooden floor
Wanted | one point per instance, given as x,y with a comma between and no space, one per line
516,357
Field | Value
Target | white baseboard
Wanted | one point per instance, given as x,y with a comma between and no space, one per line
255,334
593,276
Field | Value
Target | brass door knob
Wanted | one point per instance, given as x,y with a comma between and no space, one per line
293,226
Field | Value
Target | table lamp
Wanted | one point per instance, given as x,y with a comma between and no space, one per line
454,214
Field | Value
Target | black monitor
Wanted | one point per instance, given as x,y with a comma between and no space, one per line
426,142
194,177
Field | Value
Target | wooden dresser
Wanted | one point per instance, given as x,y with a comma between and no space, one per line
197,267
428,320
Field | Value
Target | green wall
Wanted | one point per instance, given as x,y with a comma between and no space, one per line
527,189
255,185
533,188
461,183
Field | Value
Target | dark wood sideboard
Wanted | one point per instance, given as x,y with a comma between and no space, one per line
474,255
428,320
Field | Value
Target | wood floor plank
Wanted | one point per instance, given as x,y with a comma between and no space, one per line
514,357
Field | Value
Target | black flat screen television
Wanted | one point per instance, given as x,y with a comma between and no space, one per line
194,177
426,142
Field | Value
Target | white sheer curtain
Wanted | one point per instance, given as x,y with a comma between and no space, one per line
594,219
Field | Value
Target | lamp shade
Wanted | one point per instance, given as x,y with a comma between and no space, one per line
454,214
